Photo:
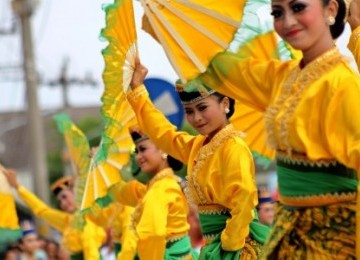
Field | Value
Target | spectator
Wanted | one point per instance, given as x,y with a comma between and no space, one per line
265,207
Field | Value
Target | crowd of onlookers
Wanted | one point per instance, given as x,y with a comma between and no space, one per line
38,249
31,246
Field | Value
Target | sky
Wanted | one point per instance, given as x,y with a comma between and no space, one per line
70,29
67,29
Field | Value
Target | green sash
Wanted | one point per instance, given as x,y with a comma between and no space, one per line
213,224
258,231
78,256
117,248
177,249
304,180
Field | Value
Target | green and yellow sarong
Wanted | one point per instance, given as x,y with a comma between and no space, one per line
315,218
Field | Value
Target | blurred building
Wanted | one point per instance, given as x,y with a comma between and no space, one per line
15,144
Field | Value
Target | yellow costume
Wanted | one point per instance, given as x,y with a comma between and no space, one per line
354,45
10,231
86,241
312,121
159,218
117,217
220,173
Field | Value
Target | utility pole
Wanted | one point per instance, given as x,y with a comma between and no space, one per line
65,82
24,10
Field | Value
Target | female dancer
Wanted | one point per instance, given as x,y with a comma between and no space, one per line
220,167
160,216
81,243
312,121
354,21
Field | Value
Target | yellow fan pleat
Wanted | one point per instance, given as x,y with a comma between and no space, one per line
192,32
113,154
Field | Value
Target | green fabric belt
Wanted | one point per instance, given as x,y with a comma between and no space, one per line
117,248
301,180
78,256
178,249
213,224
214,251
259,231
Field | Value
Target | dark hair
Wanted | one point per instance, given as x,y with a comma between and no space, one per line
174,164
231,103
337,28
135,169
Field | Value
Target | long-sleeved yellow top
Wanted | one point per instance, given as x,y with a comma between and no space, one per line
117,217
88,240
161,212
354,45
8,216
311,111
220,173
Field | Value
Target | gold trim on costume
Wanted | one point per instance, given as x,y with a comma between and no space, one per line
317,200
167,172
212,209
292,92
193,191
301,159
176,237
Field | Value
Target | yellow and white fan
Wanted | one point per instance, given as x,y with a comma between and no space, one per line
113,154
192,32
78,147
120,53
111,158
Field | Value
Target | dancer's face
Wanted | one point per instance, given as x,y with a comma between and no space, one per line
149,158
67,200
207,115
302,23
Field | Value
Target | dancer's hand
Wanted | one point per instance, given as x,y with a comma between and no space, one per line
354,14
140,72
10,174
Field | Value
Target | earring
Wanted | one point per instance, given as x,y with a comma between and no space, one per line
164,156
227,110
330,20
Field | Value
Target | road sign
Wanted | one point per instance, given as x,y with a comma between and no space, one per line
166,99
